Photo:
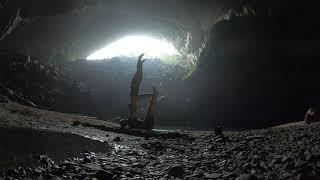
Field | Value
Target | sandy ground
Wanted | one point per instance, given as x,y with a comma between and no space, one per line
16,115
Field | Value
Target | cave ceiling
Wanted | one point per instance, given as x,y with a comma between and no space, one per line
77,28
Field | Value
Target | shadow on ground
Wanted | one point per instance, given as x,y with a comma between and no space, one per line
20,146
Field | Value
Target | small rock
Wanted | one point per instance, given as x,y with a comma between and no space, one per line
118,169
308,155
255,137
219,140
193,176
137,165
38,171
263,165
238,172
55,167
117,139
286,175
176,171
300,164
247,177
129,175
212,176
288,166
211,148
246,166
45,160
86,160
103,175
75,123
227,175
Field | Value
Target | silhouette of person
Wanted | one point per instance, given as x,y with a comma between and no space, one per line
311,115
218,130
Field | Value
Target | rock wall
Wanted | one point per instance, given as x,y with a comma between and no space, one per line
260,70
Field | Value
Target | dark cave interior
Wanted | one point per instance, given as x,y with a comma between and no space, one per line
244,64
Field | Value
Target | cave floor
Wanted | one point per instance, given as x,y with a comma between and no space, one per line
285,152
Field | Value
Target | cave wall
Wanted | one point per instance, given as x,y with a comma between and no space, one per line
260,70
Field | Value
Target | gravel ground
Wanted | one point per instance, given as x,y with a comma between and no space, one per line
287,152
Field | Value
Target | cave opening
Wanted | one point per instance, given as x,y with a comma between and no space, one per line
160,53
133,46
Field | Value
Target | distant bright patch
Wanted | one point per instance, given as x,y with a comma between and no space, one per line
133,46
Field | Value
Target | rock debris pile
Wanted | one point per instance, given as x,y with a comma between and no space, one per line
31,82
280,153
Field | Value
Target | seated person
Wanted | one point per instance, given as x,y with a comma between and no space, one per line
311,115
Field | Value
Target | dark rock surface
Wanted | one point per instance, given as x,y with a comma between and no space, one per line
278,153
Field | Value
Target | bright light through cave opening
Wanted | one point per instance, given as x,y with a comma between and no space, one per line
133,46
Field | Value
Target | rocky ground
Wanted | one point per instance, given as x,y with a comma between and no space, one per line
275,153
